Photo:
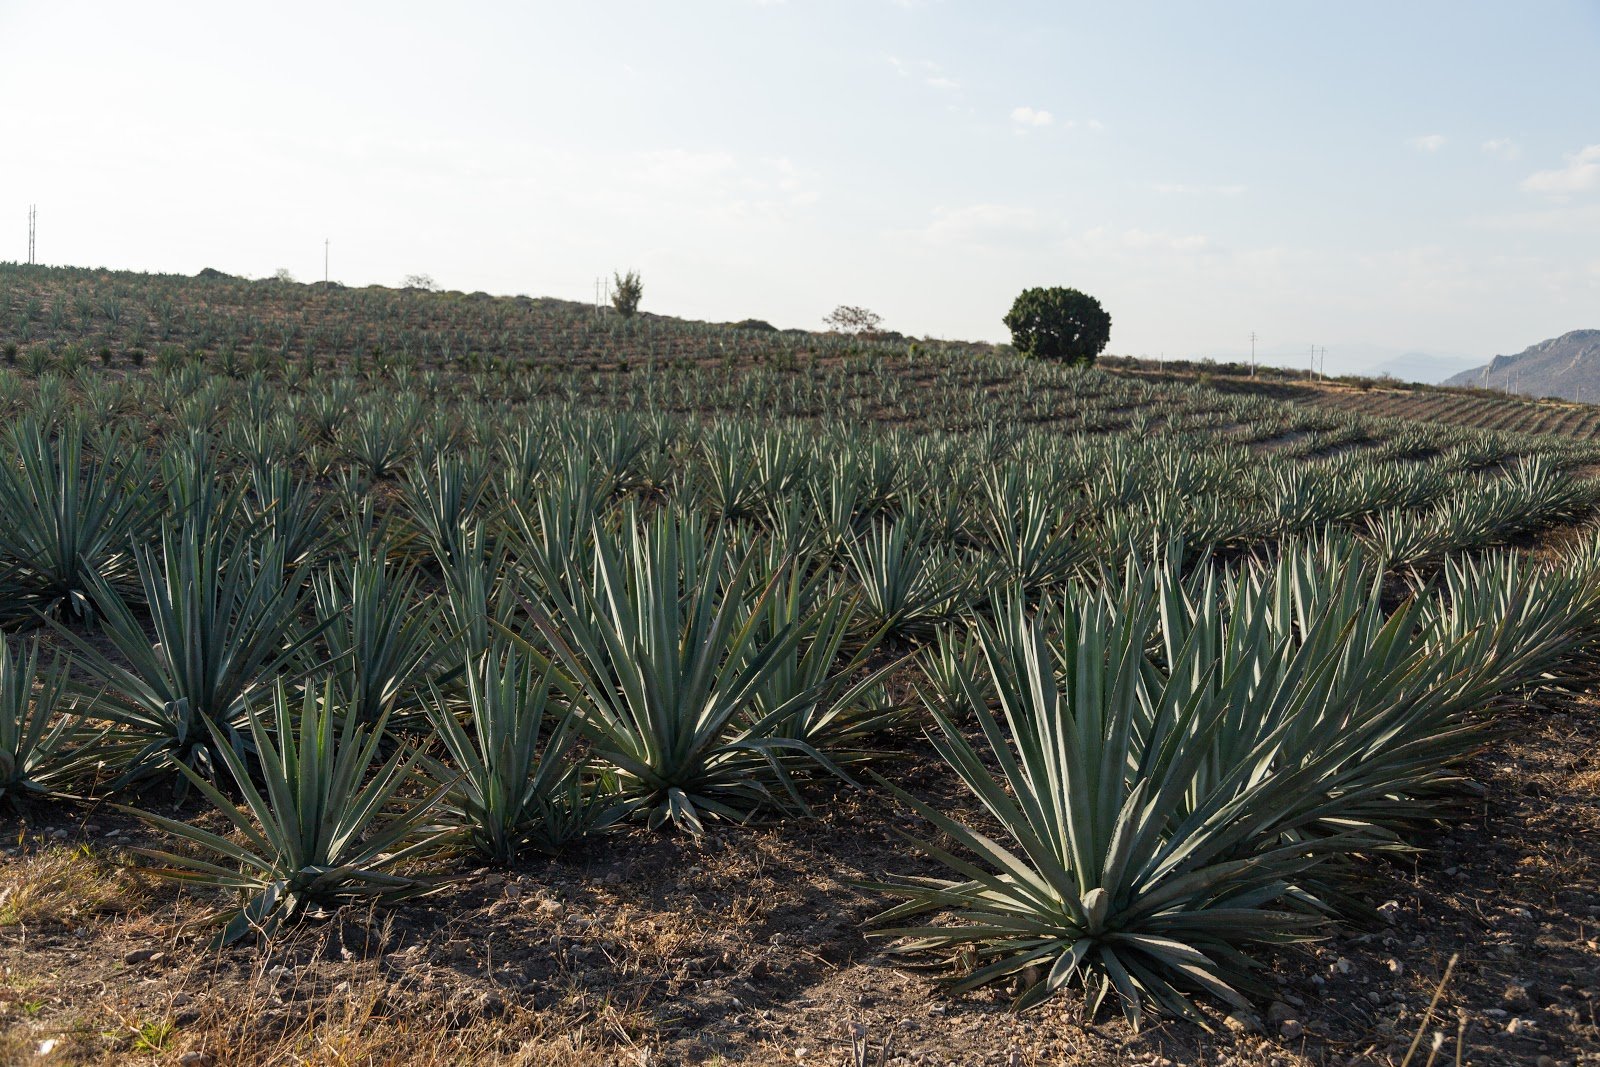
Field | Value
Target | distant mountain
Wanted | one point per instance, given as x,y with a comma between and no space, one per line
1567,366
1419,367
1361,358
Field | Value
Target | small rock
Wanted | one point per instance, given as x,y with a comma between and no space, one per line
196,1058
1396,967
140,955
1545,1061
1519,1026
1515,996
1389,911
181,1000
1243,1022
1279,1011
1291,1029
1342,966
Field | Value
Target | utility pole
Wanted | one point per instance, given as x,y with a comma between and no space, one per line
1252,353
1313,372
324,261
33,216
1324,373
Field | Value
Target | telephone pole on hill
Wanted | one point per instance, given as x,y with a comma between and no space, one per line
1252,353
33,217
324,261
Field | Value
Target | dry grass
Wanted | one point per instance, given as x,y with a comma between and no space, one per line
67,885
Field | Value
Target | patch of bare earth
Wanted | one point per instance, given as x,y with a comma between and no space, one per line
750,949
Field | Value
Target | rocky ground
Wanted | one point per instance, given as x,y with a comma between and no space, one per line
750,949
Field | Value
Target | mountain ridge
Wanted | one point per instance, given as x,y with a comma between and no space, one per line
1567,366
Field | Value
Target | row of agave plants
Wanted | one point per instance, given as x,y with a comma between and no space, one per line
539,637
93,469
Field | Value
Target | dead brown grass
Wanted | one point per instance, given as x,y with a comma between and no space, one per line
68,885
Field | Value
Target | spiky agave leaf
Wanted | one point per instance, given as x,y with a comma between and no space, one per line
331,822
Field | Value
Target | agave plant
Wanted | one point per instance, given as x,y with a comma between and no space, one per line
665,657
1115,873
820,693
380,437
512,793
441,501
224,615
70,521
1184,763
907,585
38,730
1027,529
330,823
379,634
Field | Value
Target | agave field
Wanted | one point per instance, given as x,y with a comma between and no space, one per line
1154,683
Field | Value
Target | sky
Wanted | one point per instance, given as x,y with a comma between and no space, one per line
1375,178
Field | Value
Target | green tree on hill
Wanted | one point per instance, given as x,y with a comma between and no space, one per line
1060,324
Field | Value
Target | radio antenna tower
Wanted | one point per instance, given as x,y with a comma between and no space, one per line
33,216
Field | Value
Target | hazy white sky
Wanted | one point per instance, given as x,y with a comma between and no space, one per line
1367,176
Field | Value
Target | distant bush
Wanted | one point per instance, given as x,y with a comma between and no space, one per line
1059,324
755,324
627,294
857,320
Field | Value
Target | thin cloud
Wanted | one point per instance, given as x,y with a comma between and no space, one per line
1027,116
1502,148
1428,142
926,71
1581,174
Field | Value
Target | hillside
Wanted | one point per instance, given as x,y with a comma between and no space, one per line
1567,366
653,668
120,318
